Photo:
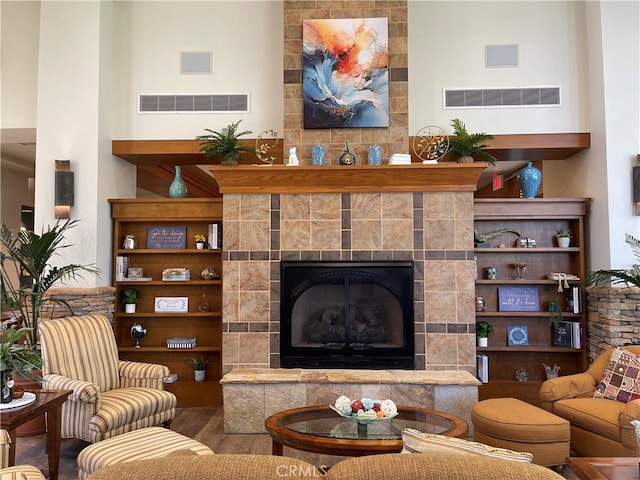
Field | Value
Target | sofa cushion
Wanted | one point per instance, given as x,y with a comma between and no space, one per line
414,441
391,466
598,415
621,380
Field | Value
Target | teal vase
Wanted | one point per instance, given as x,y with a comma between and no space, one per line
178,189
529,179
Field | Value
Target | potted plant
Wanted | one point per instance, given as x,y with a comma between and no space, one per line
463,145
200,240
225,143
130,297
16,358
483,330
563,236
199,365
617,276
27,271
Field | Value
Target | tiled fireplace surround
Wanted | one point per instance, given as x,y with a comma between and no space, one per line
434,229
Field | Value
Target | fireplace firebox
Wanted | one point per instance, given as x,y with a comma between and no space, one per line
346,314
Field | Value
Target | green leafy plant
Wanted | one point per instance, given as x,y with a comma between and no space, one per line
27,271
563,232
199,238
484,329
619,276
17,356
130,295
198,363
225,143
463,145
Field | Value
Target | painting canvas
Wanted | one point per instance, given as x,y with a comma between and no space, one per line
345,79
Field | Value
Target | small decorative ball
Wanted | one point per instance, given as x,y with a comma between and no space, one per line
343,404
388,407
367,403
356,405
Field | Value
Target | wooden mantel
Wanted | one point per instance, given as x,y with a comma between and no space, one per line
442,177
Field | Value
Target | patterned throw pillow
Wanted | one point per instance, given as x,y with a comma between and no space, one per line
414,441
621,379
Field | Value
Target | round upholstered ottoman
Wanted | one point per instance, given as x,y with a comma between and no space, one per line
151,442
517,425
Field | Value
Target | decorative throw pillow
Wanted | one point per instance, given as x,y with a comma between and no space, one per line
621,379
414,441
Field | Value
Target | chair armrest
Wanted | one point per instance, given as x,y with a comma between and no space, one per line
5,444
631,411
139,374
86,392
568,386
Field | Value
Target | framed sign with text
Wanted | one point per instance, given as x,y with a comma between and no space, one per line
518,299
167,237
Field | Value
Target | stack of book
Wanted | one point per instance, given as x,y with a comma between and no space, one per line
179,342
176,274
567,334
400,159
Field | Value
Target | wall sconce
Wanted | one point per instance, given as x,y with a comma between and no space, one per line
63,189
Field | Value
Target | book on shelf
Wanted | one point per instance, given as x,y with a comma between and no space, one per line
573,299
482,367
180,342
562,333
122,267
171,378
214,236
567,334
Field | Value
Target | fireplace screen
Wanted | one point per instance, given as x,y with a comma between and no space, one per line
347,315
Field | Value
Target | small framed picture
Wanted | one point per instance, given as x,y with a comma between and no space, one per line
517,335
171,304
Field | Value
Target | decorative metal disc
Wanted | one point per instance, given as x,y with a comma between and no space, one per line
265,143
430,143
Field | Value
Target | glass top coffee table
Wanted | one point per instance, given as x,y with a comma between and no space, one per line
319,429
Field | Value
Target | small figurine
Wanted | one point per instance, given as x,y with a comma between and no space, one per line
347,158
480,304
293,158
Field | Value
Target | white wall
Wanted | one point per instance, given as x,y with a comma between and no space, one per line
246,40
20,35
447,50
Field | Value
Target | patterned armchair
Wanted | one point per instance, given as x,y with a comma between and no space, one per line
110,396
21,472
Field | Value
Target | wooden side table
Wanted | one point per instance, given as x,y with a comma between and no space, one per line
605,468
49,402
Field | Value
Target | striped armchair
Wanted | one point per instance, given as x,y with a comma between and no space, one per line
110,396
17,472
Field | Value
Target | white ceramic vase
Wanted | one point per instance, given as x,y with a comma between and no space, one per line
199,245
199,375
130,307
483,341
563,242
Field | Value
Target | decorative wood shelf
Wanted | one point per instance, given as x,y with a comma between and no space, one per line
442,177
513,147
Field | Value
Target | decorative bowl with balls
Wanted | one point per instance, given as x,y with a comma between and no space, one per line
364,410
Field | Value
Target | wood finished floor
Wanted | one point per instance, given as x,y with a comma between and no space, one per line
202,424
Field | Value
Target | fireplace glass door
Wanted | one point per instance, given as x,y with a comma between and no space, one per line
347,315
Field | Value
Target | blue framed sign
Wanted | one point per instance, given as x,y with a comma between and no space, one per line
518,299
166,237
517,335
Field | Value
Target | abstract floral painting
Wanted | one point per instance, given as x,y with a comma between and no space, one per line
345,78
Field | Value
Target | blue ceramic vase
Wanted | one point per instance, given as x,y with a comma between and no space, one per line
178,189
529,179
317,155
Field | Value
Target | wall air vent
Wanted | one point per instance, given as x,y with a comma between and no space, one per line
502,97
219,103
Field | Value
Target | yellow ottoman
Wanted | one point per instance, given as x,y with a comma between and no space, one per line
517,425
151,442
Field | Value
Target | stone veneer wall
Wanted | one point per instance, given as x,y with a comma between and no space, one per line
433,229
395,138
613,318
81,301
